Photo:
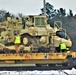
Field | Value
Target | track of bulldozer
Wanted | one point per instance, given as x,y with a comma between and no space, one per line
32,40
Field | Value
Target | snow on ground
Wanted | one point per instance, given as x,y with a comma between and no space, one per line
36,72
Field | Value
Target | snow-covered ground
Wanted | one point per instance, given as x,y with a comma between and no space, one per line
36,72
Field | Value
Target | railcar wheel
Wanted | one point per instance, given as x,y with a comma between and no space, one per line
65,64
51,65
38,65
70,61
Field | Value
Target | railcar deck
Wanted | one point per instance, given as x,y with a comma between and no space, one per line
29,61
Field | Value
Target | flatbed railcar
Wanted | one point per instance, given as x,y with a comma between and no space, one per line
39,43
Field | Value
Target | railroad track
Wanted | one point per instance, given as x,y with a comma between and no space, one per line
31,68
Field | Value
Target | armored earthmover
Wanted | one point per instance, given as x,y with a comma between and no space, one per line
36,34
39,43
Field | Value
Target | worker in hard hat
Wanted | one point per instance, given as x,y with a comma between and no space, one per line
17,41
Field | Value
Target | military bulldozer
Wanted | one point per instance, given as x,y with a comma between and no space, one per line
36,34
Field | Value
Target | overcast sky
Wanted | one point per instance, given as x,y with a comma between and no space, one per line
30,7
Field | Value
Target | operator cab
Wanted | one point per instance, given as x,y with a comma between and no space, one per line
36,20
